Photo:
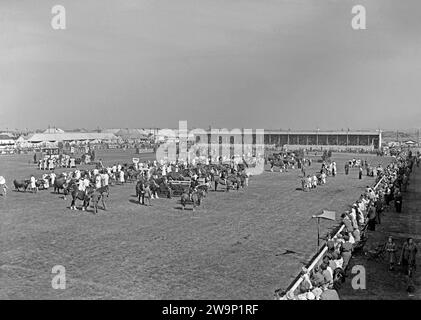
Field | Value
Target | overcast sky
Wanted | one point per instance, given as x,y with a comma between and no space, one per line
227,63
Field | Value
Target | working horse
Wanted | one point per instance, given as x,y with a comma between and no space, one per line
161,185
277,163
131,175
21,184
80,195
60,183
99,194
195,198
231,181
204,188
143,191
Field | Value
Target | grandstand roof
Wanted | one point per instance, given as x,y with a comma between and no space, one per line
71,136
365,132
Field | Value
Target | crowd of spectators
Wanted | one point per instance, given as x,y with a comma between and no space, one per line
324,280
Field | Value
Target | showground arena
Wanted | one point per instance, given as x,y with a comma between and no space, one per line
237,245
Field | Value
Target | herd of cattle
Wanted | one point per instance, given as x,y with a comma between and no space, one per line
190,183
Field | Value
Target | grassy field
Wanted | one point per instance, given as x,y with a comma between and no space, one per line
231,248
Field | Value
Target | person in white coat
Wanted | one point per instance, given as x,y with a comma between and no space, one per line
33,184
52,177
121,176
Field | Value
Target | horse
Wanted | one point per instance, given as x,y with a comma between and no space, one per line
80,195
60,183
131,175
143,191
154,187
194,198
21,184
230,182
161,185
99,194
204,188
68,187
277,163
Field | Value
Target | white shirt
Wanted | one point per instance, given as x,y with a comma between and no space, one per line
33,185
106,177
81,185
97,181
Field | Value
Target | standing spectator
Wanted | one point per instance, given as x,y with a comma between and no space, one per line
398,202
390,248
347,222
121,176
408,255
379,209
53,177
371,215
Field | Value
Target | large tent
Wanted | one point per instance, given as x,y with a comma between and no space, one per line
72,136
132,134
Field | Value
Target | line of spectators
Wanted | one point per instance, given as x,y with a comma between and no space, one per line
324,280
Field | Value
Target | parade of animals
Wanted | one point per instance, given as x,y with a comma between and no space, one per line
151,195
152,180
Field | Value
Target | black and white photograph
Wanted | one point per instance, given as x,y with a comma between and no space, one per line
228,153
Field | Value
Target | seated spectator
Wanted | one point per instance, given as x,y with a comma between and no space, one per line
327,274
346,251
329,294
317,278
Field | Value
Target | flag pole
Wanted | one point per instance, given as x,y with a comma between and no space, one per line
318,234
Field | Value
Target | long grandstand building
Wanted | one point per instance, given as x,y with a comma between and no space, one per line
242,141
368,140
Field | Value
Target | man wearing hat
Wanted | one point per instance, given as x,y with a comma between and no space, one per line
347,222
